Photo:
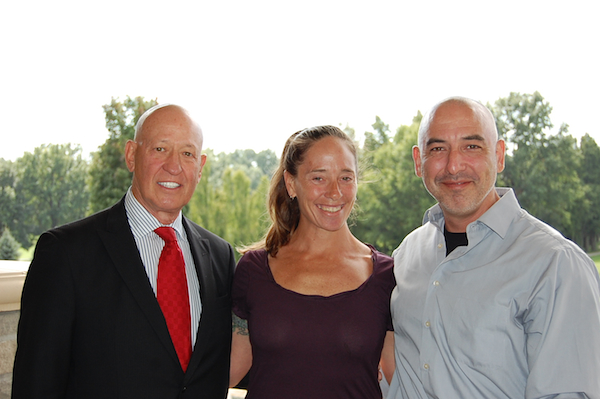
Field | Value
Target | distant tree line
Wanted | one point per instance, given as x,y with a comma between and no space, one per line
55,185
555,178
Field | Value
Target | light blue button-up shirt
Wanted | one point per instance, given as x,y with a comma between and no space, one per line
515,314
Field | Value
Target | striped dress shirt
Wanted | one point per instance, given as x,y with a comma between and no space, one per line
150,245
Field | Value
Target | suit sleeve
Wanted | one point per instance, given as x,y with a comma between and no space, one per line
44,334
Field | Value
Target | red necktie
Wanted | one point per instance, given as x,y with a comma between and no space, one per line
172,295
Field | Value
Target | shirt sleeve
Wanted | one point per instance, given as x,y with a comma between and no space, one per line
384,268
562,325
240,287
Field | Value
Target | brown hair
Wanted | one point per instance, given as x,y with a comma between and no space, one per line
283,210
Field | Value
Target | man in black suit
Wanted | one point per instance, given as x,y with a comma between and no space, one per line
91,325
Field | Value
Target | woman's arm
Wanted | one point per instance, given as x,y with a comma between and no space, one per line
388,364
241,351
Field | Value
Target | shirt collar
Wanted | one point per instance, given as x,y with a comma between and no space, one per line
498,218
143,222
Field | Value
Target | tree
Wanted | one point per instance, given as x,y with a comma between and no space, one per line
236,197
226,204
587,211
51,185
258,213
542,168
392,199
109,177
523,119
381,136
9,208
9,247
254,165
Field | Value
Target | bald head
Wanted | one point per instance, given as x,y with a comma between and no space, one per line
158,113
477,110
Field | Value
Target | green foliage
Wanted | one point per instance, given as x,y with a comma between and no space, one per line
544,169
254,165
554,179
545,180
523,118
50,186
9,208
596,259
9,247
586,229
237,198
27,254
381,136
109,177
392,198
226,204
225,199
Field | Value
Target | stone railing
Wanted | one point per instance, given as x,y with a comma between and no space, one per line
12,276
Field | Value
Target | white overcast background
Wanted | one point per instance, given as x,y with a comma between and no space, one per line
254,72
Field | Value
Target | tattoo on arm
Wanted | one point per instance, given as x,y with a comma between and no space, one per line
239,326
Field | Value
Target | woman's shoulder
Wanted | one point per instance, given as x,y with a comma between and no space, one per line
379,258
383,264
254,254
253,258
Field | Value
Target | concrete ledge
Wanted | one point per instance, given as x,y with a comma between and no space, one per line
12,277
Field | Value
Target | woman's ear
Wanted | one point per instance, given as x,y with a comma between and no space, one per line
289,184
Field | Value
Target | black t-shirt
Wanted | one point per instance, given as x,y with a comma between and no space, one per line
454,240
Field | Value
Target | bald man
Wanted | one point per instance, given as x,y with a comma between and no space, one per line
91,324
490,302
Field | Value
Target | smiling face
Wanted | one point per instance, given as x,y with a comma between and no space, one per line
458,158
166,162
325,186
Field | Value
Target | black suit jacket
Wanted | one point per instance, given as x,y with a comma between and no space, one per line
91,326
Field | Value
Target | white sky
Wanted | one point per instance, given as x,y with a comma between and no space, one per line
256,71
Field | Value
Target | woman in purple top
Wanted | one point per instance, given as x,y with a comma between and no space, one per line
310,301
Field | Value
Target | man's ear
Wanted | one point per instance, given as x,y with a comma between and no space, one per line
130,148
202,162
417,160
500,155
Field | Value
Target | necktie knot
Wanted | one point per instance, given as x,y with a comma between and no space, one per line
166,233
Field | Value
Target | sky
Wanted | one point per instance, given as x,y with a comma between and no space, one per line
254,72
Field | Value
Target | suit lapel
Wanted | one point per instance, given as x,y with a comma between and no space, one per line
202,261
201,253
121,247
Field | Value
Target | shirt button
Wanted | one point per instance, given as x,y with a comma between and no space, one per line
426,366
440,245
427,324
436,283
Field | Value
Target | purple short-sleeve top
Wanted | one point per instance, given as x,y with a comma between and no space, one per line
311,346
